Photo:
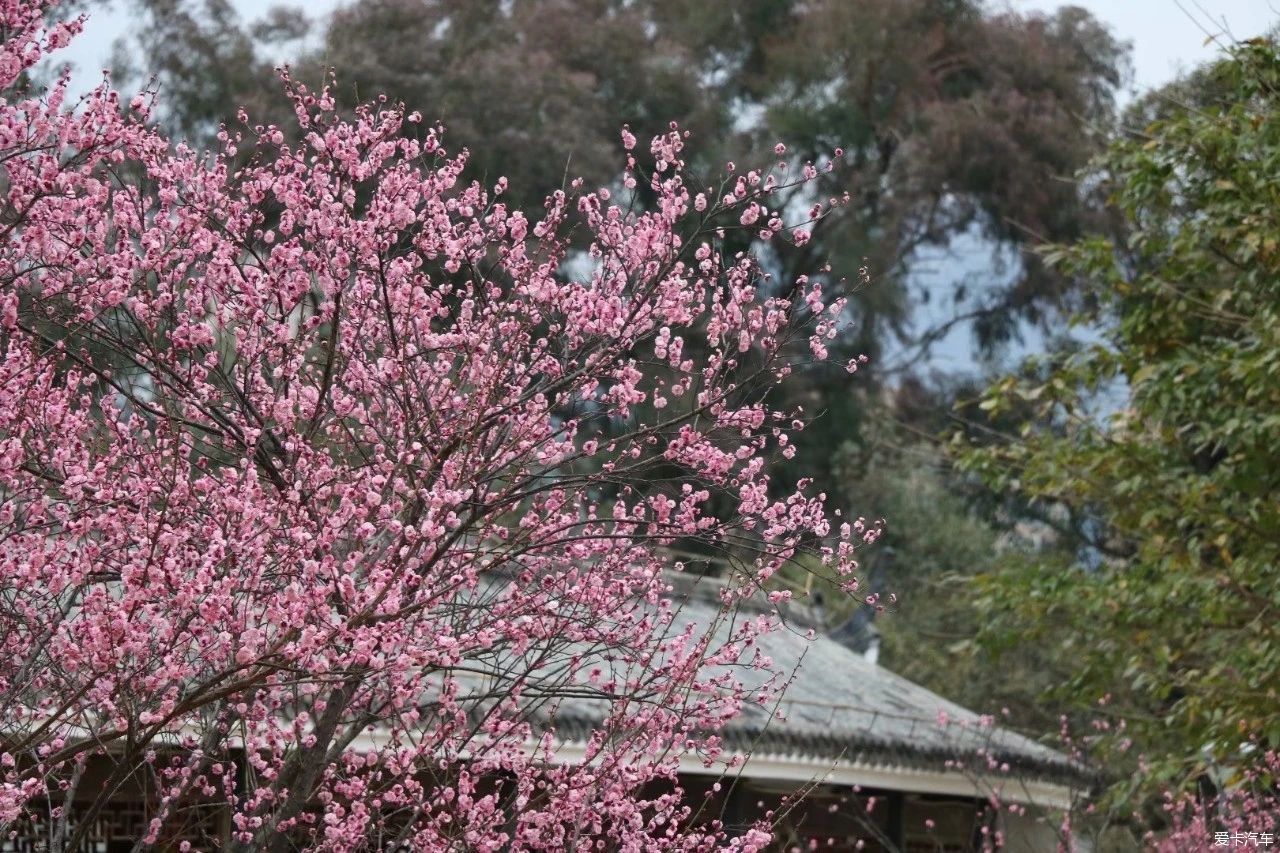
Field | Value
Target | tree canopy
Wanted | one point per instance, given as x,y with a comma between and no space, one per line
951,116
1162,439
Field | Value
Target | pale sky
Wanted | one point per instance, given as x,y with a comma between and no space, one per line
1168,36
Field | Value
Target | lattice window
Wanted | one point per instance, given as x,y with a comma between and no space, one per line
117,828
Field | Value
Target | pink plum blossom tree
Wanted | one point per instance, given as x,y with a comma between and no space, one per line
327,479
1244,811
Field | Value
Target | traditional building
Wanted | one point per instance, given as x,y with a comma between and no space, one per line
853,757
870,761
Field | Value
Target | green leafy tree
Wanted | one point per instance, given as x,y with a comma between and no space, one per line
942,544
1161,442
505,78
958,125
207,63
950,115
956,118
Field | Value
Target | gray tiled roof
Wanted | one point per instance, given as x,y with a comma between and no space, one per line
841,707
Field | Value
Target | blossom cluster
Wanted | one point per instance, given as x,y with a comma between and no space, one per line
1243,812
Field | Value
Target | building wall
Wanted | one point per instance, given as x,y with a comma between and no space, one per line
1033,832
835,818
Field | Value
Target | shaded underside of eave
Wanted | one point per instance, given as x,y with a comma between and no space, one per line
826,751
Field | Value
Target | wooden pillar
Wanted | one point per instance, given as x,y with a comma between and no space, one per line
894,821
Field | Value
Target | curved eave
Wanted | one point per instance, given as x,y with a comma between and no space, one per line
890,776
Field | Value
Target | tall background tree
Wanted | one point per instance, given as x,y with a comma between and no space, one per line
955,117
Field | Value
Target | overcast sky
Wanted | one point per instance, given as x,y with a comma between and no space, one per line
1167,35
